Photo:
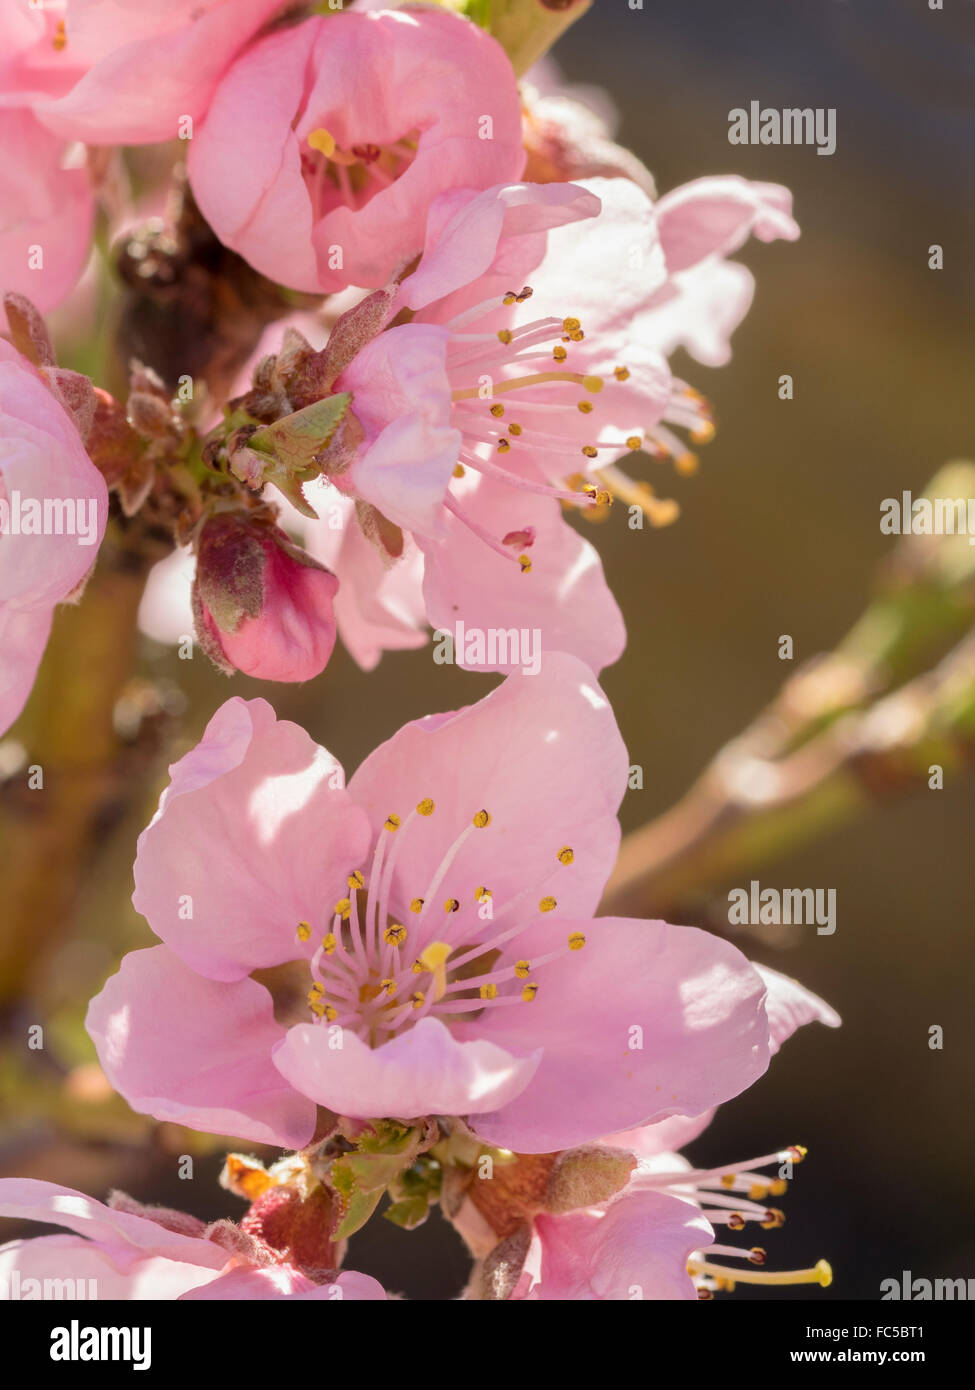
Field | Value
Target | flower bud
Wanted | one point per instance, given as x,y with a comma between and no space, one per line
262,605
586,1176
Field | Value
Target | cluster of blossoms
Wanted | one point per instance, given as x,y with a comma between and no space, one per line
400,980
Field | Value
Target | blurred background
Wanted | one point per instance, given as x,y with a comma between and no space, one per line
779,534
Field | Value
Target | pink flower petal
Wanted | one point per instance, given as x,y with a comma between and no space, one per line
565,599
224,873
421,1072
648,1020
542,754
194,1051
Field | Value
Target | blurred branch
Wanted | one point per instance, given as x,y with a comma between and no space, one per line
857,726
68,730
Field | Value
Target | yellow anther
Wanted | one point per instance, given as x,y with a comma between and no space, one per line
416,905
523,969
503,446
303,931
703,433
59,40
604,498
451,905
488,991
593,384
566,855
329,944
634,441
585,407
343,907
525,564
417,998
797,1152
322,141
728,1180
317,1008
417,968
504,335
757,1192
330,1013
394,935
779,1187
356,880
736,1222
426,807
577,335
514,429
316,991
434,958
621,373
392,822
510,297
547,904
388,986
687,464
529,992
559,353
576,941
757,1255
460,471
480,894
497,410
590,451
776,1218
570,325
481,819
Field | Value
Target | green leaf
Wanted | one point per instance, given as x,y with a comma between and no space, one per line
295,440
409,1213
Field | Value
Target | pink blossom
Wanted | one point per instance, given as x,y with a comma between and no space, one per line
536,406
327,141
262,605
435,954
158,1254
46,211
123,72
639,1243
53,509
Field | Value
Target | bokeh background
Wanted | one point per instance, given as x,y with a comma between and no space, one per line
779,534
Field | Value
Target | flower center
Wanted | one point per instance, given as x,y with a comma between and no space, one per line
337,177
378,975
528,401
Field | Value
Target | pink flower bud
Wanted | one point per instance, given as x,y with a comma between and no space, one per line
261,604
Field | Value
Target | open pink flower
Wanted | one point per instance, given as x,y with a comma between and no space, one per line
480,416
327,141
123,72
434,953
116,1253
262,605
640,1243
46,211
53,509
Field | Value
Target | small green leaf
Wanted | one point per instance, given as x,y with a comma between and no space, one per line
409,1213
